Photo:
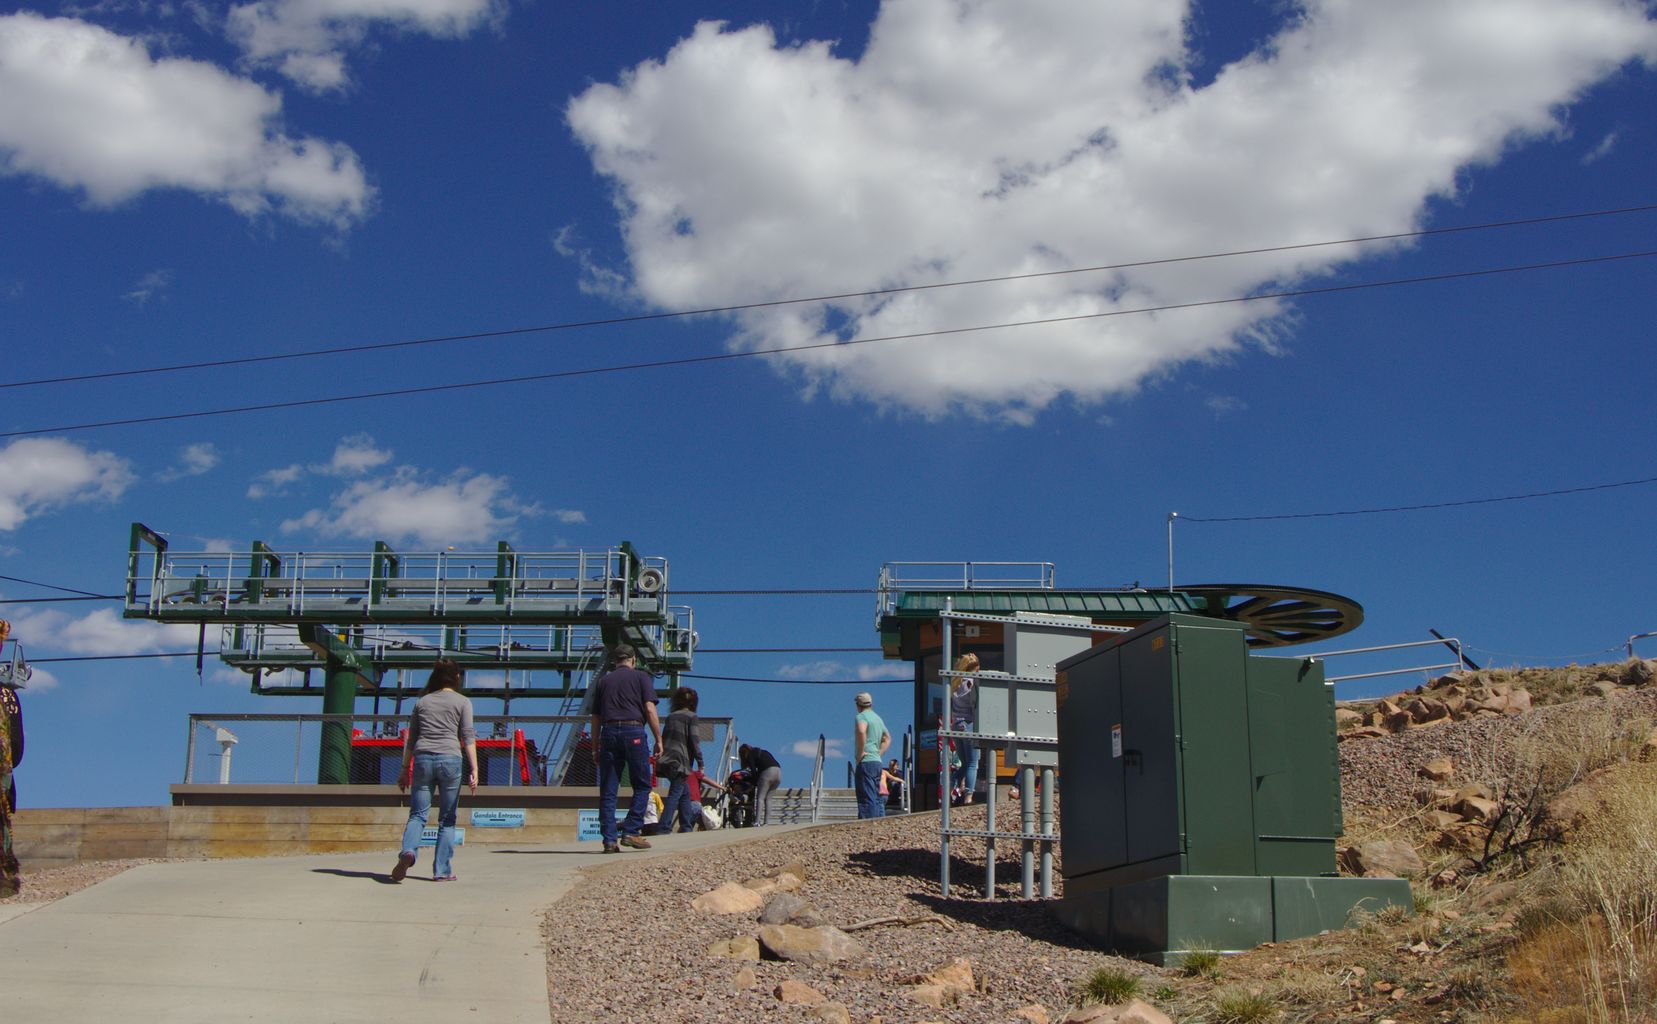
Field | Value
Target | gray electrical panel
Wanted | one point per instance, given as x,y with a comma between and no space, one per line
1022,700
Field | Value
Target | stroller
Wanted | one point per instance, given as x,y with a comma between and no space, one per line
736,802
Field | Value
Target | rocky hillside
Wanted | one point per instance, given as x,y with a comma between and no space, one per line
1517,815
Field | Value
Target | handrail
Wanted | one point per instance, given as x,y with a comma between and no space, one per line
1450,642
1637,636
817,778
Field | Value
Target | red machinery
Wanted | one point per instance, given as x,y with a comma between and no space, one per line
376,759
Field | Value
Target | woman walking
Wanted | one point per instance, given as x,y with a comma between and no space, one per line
681,754
440,733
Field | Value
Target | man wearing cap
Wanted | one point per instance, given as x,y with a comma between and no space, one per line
624,703
871,743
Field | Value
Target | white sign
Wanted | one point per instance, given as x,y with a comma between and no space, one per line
494,817
429,837
586,823
1116,741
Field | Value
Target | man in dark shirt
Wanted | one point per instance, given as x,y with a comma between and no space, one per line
624,702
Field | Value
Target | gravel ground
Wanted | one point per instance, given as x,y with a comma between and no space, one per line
50,884
1020,955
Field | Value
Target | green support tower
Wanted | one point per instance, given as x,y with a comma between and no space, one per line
1201,795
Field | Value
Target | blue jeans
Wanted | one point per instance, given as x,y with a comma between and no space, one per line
967,778
680,805
619,745
439,773
870,804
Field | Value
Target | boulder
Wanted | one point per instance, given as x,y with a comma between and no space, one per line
832,1013
938,996
1362,732
1439,769
1640,672
1393,857
743,947
1035,1013
822,945
1346,718
1518,700
1474,808
1134,1011
791,991
744,979
1441,819
1479,790
1425,709
729,898
781,908
1604,688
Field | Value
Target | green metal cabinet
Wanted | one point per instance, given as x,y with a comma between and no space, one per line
1189,765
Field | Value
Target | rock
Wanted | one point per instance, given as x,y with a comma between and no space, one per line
1134,1011
1496,893
1034,1013
1439,769
1648,750
795,868
1444,878
743,947
729,898
832,1013
780,908
1398,721
1475,808
822,945
1426,709
1481,791
763,887
1640,672
1346,718
1363,732
744,979
1518,700
1441,819
938,996
791,991
955,974
1394,857
1604,688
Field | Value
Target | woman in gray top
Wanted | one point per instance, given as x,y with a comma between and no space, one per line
681,754
440,731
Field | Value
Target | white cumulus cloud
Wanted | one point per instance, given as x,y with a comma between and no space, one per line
808,748
101,632
38,474
354,456
308,40
91,110
463,508
976,140
194,460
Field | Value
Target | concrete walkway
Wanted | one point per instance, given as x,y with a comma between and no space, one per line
320,938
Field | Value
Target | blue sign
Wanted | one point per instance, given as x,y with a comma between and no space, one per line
495,817
586,823
429,837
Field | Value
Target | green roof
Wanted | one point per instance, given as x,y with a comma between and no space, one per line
926,604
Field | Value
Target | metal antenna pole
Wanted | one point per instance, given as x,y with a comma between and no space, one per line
943,758
1171,517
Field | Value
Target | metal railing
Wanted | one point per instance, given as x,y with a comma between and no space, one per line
1637,636
15,671
499,646
271,749
896,577
817,779
293,581
1451,642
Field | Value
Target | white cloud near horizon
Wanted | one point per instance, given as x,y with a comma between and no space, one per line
307,41
977,140
354,456
38,474
465,507
830,669
808,748
274,481
92,111
193,460
100,632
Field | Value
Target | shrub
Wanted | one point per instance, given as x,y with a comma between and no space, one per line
1238,1006
1201,963
1110,985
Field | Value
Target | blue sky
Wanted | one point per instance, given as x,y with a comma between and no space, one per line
183,184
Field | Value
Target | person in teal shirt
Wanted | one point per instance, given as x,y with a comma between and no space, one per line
871,743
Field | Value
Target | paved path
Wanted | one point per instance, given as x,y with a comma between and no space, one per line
320,939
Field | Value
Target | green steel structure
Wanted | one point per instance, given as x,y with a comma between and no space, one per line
366,620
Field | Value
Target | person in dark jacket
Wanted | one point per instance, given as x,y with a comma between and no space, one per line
763,768
680,755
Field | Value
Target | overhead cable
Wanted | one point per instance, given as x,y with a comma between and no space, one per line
835,297
722,357
1418,508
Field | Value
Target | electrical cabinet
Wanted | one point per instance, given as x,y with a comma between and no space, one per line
1188,765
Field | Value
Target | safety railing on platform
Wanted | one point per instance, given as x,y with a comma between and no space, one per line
14,669
897,577
1637,636
496,646
307,582
277,749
